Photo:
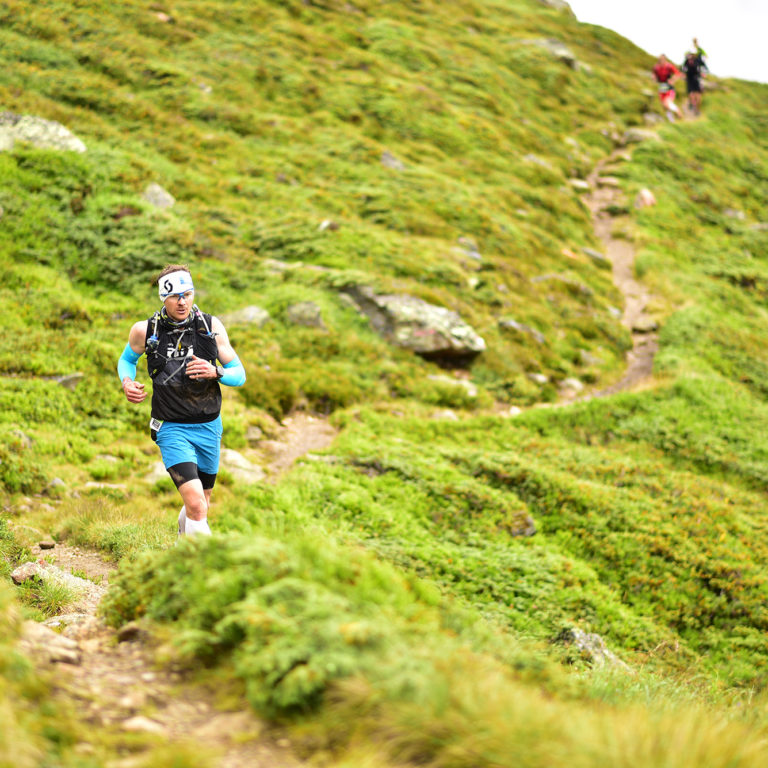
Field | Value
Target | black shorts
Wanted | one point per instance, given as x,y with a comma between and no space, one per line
693,86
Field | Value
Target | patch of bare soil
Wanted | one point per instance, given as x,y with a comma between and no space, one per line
297,436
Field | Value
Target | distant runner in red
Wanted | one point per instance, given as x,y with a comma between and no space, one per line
666,73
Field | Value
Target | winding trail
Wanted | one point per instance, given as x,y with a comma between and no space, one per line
621,253
114,681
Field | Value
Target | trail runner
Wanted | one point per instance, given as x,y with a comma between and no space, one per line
183,346
666,73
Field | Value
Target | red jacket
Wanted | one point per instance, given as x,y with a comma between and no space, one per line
663,72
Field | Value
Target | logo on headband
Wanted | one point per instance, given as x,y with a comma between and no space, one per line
175,283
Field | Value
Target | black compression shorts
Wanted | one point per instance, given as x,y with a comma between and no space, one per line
187,470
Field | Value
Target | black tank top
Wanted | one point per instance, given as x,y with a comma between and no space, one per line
176,397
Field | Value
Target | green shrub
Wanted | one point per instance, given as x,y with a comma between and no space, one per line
18,471
272,391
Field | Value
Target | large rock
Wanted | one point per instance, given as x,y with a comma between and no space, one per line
433,332
41,133
250,315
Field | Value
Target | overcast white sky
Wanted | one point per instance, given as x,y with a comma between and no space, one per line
732,32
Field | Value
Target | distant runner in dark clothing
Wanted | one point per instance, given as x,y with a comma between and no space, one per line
666,73
694,69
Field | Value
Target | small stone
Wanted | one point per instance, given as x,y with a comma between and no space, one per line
91,484
129,631
388,160
70,381
580,185
47,544
645,198
133,701
157,474
572,384
25,440
141,724
253,434
599,258
159,197
644,324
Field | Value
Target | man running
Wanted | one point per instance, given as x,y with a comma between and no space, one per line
694,69
182,346
666,73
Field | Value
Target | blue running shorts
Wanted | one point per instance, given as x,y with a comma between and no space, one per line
198,443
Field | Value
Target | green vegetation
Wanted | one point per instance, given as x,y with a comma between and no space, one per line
414,581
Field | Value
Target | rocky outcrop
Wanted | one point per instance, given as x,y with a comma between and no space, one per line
435,333
41,133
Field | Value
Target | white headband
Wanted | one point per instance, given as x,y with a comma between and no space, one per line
174,283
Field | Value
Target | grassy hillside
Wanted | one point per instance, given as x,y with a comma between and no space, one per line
400,578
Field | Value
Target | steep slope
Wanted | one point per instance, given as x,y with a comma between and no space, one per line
413,579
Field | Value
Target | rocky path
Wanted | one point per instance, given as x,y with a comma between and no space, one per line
111,677
604,193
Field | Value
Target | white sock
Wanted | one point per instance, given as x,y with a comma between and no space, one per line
182,520
197,527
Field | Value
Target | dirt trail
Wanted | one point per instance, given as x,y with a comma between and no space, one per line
621,254
117,685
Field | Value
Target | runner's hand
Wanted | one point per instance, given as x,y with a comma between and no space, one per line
199,369
134,390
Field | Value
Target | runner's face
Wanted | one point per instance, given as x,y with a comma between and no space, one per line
178,306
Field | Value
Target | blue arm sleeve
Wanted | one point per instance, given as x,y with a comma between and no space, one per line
234,375
126,365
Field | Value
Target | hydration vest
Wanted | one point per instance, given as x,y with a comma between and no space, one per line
176,397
